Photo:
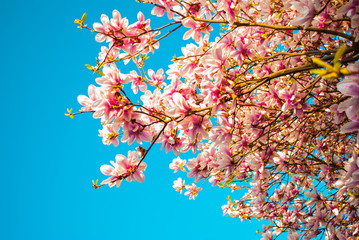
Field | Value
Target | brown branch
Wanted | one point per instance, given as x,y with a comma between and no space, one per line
285,28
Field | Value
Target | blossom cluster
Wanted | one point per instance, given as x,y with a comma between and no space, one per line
269,108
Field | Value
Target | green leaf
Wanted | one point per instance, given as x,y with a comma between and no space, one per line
319,72
339,53
344,71
83,18
89,66
322,63
229,198
331,75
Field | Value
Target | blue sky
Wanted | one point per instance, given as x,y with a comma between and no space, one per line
48,160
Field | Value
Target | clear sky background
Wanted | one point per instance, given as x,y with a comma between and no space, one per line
48,160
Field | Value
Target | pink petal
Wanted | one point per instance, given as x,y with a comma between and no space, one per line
100,37
121,161
139,176
84,101
146,136
189,23
106,170
151,73
98,27
349,88
118,183
116,14
188,34
140,16
350,127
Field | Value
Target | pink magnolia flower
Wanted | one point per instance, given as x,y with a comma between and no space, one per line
293,236
192,191
349,9
306,10
137,82
149,43
313,197
119,25
355,22
338,116
178,164
110,134
216,178
213,94
152,101
164,6
158,11
108,55
141,25
195,127
227,208
244,49
156,79
170,139
102,29
217,61
293,100
113,79
189,145
199,166
229,8
196,29
225,162
129,166
124,167
350,127
86,102
115,173
179,185
320,218
178,105
350,87
268,235
134,131
353,172
189,64
109,106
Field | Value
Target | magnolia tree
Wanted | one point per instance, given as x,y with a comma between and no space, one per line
269,106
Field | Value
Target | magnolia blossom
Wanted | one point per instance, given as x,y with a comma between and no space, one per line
267,235
156,78
179,185
227,208
124,167
178,164
108,55
353,173
94,94
114,172
110,134
350,87
306,10
137,83
102,28
113,79
196,29
349,9
192,191
246,100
